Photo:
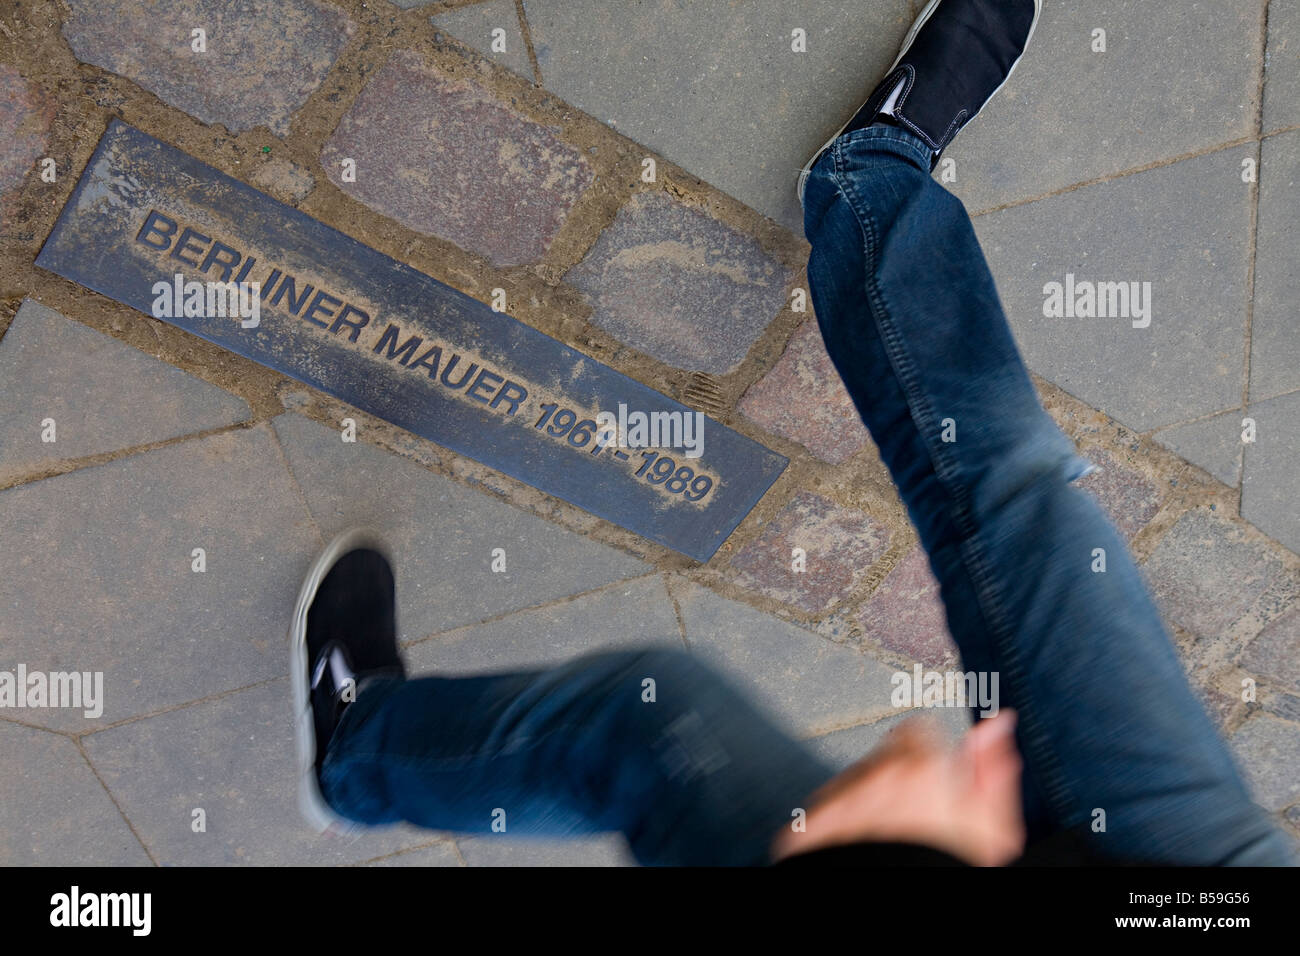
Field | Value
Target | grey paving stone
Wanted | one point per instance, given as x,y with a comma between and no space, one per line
1178,76
1127,496
444,157
1207,571
1275,652
1182,228
1275,325
234,758
678,284
845,747
293,44
840,545
25,118
812,685
608,850
103,579
635,614
442,533
1270,488
1282,69
103,394
53,812
474,27
716,88
1268,750
1212,444
440,854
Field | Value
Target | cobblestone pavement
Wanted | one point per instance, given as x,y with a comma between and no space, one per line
625,173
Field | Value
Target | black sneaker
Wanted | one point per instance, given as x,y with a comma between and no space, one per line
957,55
344,630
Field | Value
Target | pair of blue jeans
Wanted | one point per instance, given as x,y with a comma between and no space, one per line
698,775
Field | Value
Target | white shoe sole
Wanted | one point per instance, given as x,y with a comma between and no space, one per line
907,45
311,803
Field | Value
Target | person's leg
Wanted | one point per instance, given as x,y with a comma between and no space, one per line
1107,722
685,767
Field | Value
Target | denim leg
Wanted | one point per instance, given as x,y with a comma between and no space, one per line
912,321
696,776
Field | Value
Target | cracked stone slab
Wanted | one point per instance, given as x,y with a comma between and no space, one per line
811,684
293,44
1269,486
1177,77
840,545
442,533
25,119
443,157
102,394
1184,229
232,757
679,285
823,419
53,812
1275,324
717,88
440,854
1207,571
1212,444
105,580
623,617
1282,69
476,27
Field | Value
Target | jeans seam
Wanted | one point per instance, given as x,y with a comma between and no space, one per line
986,590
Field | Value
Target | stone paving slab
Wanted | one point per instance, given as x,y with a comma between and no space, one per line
235,758
440,854
103,394
674,282
54,812
1207,571
906,613
610,850
1129,499
445,158
103,578
1270,487
622,617
1177,77
823,417
1282,74
293,43
1182,228
475,26
1268,751
716,88
442,533
1275,324
811,684
1212,444
840,545
1275,651
25,118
